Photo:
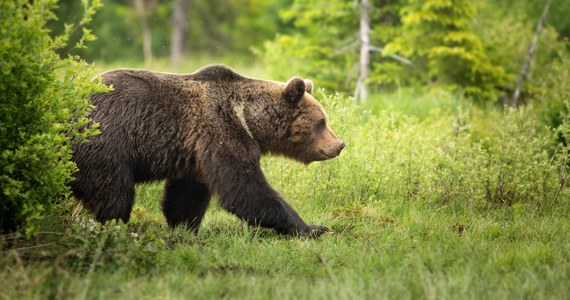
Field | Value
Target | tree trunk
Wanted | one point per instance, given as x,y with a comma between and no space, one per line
529,56
179,31
146,35
361,91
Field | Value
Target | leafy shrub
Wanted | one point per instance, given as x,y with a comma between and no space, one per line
43,102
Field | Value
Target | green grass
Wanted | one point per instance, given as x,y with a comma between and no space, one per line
422,205
382,249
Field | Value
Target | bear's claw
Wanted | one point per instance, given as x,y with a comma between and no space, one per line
313,231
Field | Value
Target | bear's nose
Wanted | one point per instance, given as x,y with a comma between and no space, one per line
342,145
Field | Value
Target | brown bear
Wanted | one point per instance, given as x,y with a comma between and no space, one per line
204,133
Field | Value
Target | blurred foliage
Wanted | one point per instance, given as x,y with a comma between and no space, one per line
553,101
506,34
215,28
476,48
530,11
117,33
325,44
43,102
438,37
222,27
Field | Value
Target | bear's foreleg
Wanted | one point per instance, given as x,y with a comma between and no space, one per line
245,192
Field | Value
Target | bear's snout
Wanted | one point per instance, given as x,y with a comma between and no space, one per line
340,147
333,150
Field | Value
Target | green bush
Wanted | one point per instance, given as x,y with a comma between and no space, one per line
43,99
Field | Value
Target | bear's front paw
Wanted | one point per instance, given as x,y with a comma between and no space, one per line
313,231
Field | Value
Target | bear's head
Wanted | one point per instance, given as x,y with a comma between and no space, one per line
308,137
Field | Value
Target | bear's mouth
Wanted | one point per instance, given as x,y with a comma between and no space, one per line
328,154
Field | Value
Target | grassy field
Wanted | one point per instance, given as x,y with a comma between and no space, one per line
380,249
428,201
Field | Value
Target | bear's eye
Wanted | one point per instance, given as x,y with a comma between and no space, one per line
321,124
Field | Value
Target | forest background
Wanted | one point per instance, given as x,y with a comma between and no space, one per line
479,47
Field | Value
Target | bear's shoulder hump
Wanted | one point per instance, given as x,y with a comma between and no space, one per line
216,73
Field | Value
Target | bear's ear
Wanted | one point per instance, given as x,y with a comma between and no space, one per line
308,86
294,90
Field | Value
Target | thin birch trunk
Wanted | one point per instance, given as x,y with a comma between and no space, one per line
146,35
531,50
179,31
361,90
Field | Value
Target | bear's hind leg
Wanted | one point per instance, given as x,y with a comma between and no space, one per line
116,205
185,202
108,196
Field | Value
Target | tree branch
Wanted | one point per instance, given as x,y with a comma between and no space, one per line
392,55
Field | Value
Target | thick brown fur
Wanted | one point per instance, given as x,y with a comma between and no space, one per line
204,133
